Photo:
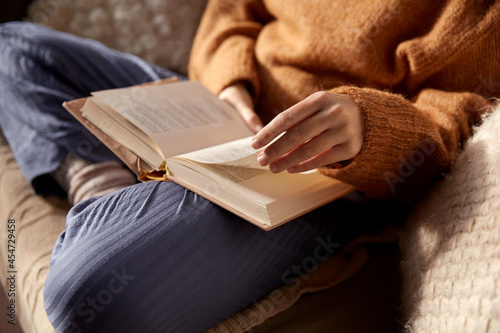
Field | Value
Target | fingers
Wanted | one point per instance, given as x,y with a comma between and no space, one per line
297,137
237,96
329,147
305,152
250,117
286,120
323,129
340,152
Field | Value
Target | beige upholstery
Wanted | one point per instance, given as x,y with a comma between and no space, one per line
160,32
38,223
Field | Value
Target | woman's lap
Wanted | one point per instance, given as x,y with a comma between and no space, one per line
157,257
153,256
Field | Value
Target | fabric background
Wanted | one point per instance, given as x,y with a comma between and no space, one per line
158,31
451,246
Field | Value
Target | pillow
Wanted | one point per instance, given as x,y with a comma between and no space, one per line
159,31
451,247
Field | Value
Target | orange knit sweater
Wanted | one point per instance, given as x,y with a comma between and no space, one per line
422,73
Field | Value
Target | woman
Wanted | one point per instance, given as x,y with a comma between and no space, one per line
380,95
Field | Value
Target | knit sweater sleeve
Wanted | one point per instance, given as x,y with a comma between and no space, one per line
407,144
223,50
452,79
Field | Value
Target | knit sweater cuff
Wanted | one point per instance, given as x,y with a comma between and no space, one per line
401,151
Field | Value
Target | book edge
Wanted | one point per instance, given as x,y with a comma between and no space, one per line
125,155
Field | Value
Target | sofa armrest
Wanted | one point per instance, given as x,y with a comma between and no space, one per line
30,224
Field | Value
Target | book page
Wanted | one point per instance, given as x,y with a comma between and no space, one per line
264,183
260,196
181,116
235,153
258,185
122,131
235,173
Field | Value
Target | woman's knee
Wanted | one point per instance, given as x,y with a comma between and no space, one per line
28,50
17,34
17,28
78,298
92,268
115,250
154,254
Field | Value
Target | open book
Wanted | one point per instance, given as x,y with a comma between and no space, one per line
180,131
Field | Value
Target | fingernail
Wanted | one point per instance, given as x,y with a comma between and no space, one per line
257,127
255,143
261,158
273,168
291,170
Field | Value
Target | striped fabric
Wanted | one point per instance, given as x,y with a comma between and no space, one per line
155,257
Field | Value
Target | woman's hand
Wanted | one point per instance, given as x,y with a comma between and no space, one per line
322,129
238,96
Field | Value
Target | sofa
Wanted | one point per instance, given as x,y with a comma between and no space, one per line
432,267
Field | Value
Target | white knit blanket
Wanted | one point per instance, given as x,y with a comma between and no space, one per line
451,248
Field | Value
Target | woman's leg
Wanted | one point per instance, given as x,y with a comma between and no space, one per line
39,70
155,257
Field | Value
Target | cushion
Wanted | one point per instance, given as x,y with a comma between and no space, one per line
451,246
36,224
158,31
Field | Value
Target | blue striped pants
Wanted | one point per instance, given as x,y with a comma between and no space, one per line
153,257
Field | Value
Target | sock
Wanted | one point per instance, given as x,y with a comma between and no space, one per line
83,180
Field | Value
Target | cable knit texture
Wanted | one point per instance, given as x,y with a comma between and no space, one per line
407,64
451,247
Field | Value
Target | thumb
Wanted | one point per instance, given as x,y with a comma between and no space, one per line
238,97
249,116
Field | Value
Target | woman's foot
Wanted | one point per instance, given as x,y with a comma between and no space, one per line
83,180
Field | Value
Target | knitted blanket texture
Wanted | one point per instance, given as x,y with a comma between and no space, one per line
451,247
